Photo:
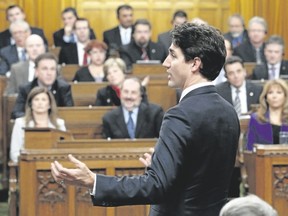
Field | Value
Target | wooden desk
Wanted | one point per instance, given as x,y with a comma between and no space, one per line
249,66
68,71
45,197
267,170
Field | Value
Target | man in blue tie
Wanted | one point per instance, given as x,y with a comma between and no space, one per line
133,119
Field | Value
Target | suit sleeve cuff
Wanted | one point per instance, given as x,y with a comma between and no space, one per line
93,192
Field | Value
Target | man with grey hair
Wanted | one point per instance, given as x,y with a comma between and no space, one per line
250,205
237,33
275,66
24,71
20,30
253,49
14,13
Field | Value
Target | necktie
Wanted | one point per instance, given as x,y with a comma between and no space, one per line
85,59
72,39
272,72
23,55
258,56
144,55
237,103
130,126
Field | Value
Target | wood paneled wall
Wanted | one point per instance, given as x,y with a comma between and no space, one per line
101,13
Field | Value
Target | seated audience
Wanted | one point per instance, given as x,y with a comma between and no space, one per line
165,39
96,51
237,33
250,205
141,48
133,119
121,34
271,116
46,76
275,66
221,77
40,112
114,69
236,90
75,53
66,35
252,50
11,54
23,72
16,13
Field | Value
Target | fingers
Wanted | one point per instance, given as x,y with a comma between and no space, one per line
146,160
151,150
76,162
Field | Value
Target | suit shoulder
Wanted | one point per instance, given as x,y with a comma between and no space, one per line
62,83
109,31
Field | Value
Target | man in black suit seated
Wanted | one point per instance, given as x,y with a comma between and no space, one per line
275,66
194,157
46,76
236,87
237,33
179,17
14,13
121,34
11,54
65,36
253,49
133,119
74,53
141,47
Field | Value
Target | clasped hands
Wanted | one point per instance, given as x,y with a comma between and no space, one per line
81,175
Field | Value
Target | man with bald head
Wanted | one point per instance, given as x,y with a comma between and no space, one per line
23,71
11,54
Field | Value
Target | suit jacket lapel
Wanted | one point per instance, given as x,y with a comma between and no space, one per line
141,119
75,53
118,36
121,125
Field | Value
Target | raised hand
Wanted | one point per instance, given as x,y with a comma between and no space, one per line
146,160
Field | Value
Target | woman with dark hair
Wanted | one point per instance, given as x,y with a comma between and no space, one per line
272,115
40,112
96,51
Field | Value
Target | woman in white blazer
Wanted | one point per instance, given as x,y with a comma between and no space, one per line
40,112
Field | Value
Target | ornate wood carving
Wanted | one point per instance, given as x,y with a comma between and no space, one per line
48,190
281,180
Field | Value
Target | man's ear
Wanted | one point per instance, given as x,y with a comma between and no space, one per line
196,64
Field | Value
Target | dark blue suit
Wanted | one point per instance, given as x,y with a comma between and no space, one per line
192,164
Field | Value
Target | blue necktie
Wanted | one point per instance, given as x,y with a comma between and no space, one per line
130,126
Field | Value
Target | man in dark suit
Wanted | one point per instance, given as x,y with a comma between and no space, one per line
275,65
46,76
23,72
235,73
179,17
195,154
141,48
146,118
253,49
121,34
14,13
237,33
66,36
75,53
11,54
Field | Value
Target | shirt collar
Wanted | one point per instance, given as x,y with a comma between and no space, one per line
192,87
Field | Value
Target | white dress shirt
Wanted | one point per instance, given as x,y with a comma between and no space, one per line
81,51
276,68
31,72
20,53
125,34
242,96
133,115
192,87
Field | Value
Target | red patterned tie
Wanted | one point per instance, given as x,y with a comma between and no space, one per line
144,55
85,59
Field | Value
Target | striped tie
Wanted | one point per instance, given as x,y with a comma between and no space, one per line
237,103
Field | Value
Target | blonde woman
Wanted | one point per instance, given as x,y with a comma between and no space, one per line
40,112
272,115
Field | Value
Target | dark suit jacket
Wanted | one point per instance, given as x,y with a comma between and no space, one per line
112,38
84,75
5,36
192,163
165,40
8,56
260,132
58,37
148,125
60,90
229,37
247,52
130,53
262,71
19,76
107,96
69,54
253,92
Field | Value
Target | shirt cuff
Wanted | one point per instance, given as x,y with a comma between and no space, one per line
93,192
